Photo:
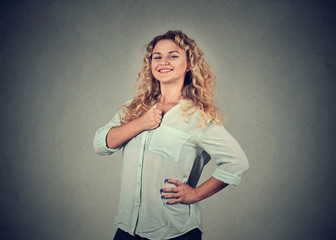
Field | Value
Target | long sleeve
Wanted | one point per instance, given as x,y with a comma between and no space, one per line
225,151
99,140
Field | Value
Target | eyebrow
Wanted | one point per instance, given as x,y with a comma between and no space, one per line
168,52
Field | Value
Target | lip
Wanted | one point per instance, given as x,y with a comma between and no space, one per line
165,70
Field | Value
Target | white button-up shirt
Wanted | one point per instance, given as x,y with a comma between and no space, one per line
177,149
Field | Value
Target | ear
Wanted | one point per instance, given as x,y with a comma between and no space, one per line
188,67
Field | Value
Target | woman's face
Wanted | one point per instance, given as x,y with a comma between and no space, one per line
169,62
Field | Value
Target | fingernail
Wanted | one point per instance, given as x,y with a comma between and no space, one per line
161,190
167,203
166,180
162,196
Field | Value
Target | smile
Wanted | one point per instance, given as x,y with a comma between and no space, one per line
165,70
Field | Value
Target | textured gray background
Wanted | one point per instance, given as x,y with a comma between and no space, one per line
67,66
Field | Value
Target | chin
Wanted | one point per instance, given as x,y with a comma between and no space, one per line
163,79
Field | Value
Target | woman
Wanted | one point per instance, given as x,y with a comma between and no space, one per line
168,132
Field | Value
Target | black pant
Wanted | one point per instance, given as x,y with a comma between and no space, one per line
194,234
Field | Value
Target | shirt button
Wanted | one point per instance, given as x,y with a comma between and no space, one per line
140,165
138,201
138,183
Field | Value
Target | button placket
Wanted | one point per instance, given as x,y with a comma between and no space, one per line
139,179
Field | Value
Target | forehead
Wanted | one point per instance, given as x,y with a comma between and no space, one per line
166,45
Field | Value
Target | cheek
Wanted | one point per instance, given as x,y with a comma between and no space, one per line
153,66
184,66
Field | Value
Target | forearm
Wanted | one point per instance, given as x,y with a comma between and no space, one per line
121,134
208,188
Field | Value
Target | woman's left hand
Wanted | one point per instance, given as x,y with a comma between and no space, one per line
182,192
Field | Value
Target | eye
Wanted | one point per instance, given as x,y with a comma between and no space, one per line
173,56
157,57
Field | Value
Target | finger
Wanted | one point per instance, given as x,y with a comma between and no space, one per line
157,123
170,189
158,111
173,201
158,118
174,181
169,196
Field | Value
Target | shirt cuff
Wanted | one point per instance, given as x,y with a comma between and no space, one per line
99,142
226,177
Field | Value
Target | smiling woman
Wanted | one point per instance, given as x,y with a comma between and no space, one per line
168,132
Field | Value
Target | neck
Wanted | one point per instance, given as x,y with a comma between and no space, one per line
170,94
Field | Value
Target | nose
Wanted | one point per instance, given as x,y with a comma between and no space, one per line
164,61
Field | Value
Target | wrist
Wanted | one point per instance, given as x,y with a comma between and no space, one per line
138,125
197,195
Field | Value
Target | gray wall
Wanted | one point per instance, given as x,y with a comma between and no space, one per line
67,66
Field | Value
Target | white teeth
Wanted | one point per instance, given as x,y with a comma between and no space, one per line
165,70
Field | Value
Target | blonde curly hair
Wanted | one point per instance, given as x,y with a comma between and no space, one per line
198,85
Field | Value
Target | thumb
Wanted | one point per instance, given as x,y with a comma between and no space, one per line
158,111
